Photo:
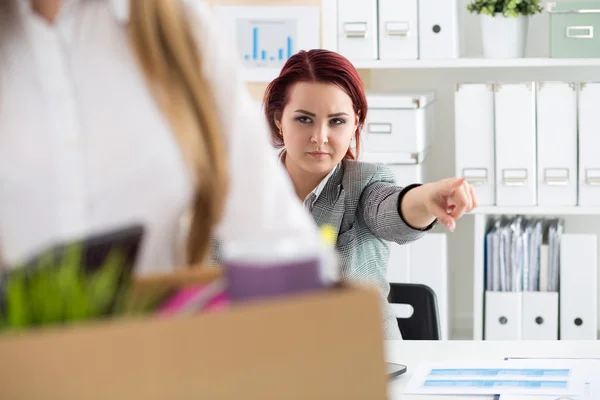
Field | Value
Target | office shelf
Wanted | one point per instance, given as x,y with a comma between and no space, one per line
268,74
479,63
537,210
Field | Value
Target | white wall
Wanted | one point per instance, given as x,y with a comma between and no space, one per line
441,160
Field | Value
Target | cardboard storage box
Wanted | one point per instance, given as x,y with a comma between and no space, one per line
323,345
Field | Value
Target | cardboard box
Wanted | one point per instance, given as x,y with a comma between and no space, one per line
323,345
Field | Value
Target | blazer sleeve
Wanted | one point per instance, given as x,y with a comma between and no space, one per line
380,208
261,197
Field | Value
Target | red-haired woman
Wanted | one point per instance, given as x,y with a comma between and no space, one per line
316,109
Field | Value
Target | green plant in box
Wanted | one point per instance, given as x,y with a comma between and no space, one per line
56,289
506,8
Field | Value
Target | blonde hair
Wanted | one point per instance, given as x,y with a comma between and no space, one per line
173,66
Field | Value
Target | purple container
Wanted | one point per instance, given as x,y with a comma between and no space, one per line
278,267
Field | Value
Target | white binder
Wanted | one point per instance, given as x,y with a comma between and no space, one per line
438,29
398,30
357,29
474,138
540,315
515,123
557,144
429,266
578,287
589,143
503,315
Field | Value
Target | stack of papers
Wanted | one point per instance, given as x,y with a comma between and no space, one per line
511,379
517,259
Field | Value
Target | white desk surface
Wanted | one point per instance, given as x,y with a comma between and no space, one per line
411,353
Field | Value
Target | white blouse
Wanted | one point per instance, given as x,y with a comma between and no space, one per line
84,148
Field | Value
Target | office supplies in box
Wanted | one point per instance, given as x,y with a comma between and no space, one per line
215,355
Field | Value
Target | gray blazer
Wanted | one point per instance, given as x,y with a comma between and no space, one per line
361,202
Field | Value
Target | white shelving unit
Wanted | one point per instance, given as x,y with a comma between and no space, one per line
458,63
479,63
441,75
537,211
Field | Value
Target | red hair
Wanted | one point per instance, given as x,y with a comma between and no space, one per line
319,66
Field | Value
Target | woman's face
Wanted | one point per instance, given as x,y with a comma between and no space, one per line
317,125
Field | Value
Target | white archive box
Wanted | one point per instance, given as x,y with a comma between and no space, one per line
515,138
399,127
557,144
438,29
474,138
578,286
398,30
589,143
399,264
409,174
429,266
357,29
425,262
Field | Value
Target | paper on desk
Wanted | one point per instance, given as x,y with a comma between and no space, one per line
533,397
591,388
503,377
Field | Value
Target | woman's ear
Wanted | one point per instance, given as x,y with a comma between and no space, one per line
277,120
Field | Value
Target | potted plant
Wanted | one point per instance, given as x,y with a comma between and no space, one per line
504,25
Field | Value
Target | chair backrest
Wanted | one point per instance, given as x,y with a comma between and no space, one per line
423,324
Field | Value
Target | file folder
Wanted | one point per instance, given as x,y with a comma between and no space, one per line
544,270
589,143
474,138
557,144
540,315
578,287
515,123
438,29
398,30
503,315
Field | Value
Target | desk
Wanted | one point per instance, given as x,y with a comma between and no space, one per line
411,353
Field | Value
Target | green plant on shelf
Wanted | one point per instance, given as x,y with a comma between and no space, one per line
506,8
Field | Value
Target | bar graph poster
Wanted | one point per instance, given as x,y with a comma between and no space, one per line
267,36
266,43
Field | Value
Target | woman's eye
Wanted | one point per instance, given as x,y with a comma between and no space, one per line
304,120
338,121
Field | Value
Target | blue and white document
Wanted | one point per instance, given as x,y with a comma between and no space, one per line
591,387
502,377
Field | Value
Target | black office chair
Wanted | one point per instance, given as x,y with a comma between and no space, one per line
423,324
